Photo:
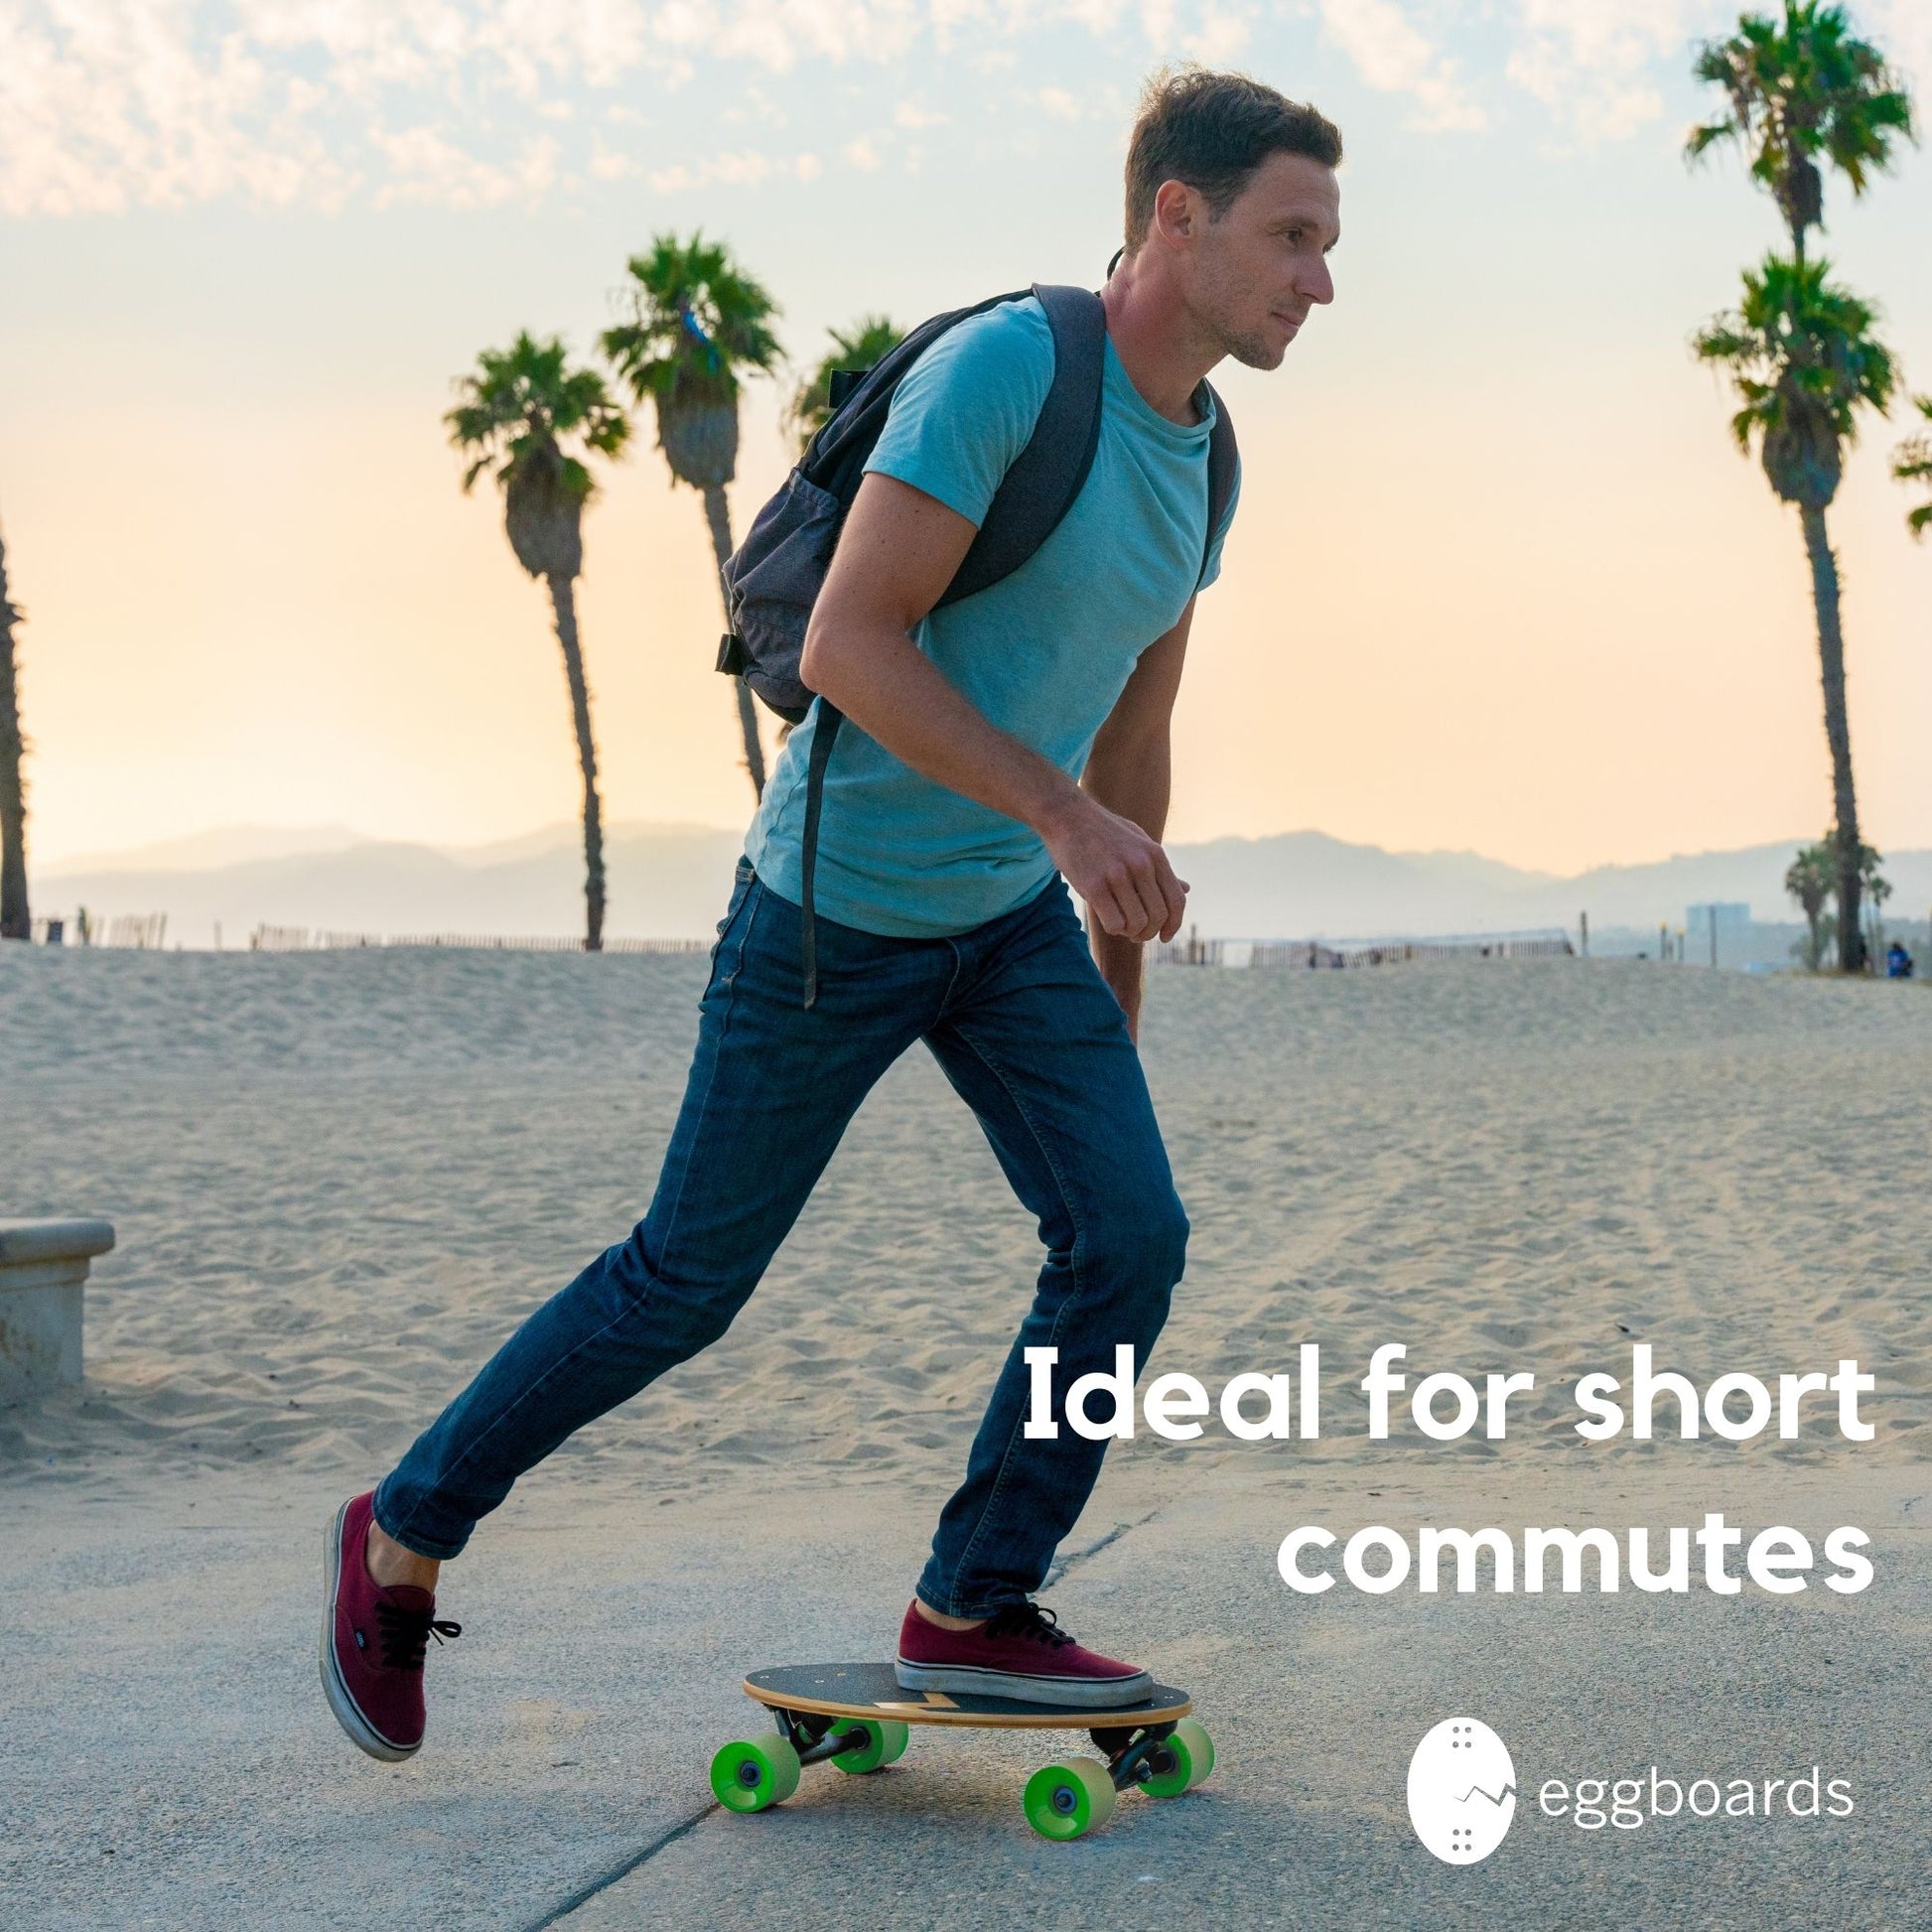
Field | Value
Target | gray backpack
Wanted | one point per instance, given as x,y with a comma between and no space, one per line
774,578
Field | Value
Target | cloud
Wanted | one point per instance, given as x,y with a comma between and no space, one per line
1599,64
110,104
104,107
1393,54
746,168
1596,63
427,167
1222,35
107,106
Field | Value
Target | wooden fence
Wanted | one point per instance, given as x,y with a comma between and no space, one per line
138,931
147,931
1308,954
300,939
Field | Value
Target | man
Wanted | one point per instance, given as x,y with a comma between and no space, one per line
996,751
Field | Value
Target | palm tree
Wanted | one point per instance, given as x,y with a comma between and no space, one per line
16,920
1877,889
1799,89
1802,358
697,321
856,349
524,409
1808,880
1911,462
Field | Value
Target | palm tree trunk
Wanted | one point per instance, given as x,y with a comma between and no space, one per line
16,922
563,601
718,515
1847,845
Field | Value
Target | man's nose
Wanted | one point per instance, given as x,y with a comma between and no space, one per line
1317,284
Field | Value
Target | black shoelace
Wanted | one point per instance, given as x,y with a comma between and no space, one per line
405,1635
1027,1620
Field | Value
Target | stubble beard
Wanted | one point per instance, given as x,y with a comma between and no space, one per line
1253,352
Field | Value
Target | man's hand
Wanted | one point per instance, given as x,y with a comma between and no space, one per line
1121,871
896,556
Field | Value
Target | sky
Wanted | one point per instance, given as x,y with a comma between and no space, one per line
1499,582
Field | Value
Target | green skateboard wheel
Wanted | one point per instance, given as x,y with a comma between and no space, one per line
885,1744
1070,1798
1189,1753
754,1773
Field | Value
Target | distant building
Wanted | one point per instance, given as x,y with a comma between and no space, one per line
1717,934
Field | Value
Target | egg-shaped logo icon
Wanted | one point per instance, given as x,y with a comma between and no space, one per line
1461,1790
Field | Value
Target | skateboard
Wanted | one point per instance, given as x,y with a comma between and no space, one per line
856,1716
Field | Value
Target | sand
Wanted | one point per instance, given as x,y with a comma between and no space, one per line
338,1180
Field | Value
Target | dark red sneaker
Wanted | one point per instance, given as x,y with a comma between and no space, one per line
1019,1652
373,1641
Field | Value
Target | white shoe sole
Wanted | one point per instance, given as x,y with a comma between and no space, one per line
362,1733
1070,1693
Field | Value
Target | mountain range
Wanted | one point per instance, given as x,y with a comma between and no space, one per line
671,881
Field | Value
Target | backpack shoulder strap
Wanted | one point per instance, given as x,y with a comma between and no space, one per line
1050,472
1040,486
836,459
1035,492
1223,465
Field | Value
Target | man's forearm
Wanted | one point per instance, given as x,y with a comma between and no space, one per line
899,551
898,696
1134,780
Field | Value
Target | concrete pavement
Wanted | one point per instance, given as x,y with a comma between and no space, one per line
167,1760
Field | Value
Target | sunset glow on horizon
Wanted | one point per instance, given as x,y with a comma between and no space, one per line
1500,580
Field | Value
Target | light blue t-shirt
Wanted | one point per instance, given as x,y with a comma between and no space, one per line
1042,654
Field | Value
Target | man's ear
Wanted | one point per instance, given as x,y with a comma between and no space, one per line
1176,211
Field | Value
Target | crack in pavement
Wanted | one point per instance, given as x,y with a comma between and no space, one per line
583,1896
586,1893
1062,1565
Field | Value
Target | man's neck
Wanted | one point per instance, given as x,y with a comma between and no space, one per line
1159,345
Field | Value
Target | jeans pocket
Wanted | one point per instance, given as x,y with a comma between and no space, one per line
745,883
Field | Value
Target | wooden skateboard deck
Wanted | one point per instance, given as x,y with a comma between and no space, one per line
856,1716
874,1691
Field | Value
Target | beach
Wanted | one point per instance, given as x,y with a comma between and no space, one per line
338,1180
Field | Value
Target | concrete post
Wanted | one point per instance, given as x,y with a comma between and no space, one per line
43,1266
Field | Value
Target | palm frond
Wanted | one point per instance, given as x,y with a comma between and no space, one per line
1911,462
697,322
1803,88
1802,360
526,405
857,346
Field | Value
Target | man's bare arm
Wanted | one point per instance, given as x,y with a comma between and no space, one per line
1129,773
896,554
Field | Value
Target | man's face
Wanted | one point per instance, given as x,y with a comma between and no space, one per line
1260,269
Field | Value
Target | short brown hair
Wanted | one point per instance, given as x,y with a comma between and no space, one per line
1212,131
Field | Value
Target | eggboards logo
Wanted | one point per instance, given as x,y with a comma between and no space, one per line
1461,1790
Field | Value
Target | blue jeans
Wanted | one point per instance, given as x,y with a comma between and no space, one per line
1033,1041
